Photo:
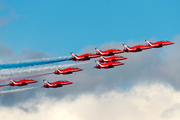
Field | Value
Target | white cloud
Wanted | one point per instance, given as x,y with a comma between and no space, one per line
8,17
141,102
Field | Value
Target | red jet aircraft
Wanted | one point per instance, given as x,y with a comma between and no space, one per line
136,48
65,71
20,82
158,44
112,59
83,57
56,84
108,52
107,65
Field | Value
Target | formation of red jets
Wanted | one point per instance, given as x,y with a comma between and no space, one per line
105,63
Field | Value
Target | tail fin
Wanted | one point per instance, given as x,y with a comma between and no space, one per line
73,55
102,57
97,63
58,70
11,80
148,42
125,46
46,82
97,50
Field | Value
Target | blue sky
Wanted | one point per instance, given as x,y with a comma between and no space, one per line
59,26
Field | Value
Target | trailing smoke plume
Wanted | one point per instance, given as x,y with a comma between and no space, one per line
16,90
25,77
28,63
12,72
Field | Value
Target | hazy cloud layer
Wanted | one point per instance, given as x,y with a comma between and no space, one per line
31,54
141,102
7,55
151,66
6,52
157,67
15,91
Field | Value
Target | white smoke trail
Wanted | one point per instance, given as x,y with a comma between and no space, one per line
20,71
16,90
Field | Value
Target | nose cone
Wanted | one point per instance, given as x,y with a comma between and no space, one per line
79,69
171,43
124,58
70,82
168,43
120,63
33,81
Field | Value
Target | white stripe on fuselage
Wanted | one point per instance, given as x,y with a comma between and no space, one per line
59,71
99,51
14,82
149,43
98,63
103,58
125,46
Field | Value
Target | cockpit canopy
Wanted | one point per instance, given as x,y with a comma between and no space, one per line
165,41
74,67
115,49
119,56
91,53
142,45
64,81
